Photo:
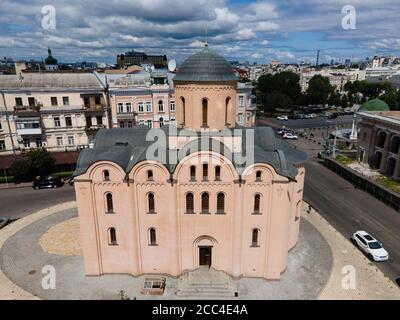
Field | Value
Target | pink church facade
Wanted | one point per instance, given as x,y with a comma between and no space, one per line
152,215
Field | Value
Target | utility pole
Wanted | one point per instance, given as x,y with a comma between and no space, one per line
316,65
8,123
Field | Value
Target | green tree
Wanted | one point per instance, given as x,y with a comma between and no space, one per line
277,100
318,90
40,161
334,99
344,101
21,171
391,98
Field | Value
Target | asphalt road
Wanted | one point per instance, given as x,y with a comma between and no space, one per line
307,123
20,202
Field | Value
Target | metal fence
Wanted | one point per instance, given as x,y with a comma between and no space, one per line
388,197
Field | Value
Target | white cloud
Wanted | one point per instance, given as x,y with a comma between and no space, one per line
245,34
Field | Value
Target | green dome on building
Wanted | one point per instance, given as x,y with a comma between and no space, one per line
50,60
374,105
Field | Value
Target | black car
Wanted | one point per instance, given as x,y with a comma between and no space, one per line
4,222
47,182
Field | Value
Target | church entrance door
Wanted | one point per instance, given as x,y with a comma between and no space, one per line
205,256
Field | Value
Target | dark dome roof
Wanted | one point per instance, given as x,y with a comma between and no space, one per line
205,66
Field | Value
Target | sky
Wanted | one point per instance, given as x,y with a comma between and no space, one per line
244,30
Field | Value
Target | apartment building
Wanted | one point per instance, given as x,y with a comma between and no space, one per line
58,111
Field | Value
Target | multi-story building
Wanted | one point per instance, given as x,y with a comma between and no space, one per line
148,98
139,58
59,111
337,77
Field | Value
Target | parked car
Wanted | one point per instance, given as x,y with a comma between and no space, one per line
4,222
47,182
290,136
370,246
283,118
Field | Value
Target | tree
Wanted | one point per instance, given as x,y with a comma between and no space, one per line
345,101
21,171
318,90
391,98
277,100
334,99
40,161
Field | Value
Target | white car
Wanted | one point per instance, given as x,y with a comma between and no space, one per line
290,136
370,246
283,118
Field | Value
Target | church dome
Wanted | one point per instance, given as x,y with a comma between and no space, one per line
205,66
50,59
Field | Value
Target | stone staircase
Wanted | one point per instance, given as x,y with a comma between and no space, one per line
205,282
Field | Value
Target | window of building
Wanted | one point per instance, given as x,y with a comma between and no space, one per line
240,118
149,123
152,237
57,122
183,110
31,101
205,203
65,101
2,145
205,113
54,101
86,102
227,105
27,143
257,199
218,173
161,122
89,121
68,121
172,105
220,203
130,124
97,100
1,127
151,203
254,238
129,107
141,107
122,124
109,203
112,237
160,106
193,173
60,141
258,176
18,102
148,107
150,175
39,143
71,140
99,120
120,108
189,203
241,101
106,175
205,171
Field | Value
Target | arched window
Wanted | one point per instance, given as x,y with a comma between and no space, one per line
217,173
150,200
109,203
161,122
160,106
150,175
106,175
205,171
205,203
205,112
220,203
193,173
183,110
112,237
254,238
257,201
227,104
258,176
189,203
152,237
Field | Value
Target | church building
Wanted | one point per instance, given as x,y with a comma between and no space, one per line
207,192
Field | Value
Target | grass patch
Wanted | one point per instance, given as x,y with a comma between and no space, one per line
9,179
344,160
63,174
388,183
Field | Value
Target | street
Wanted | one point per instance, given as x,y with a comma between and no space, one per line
348,209
20,202
308,123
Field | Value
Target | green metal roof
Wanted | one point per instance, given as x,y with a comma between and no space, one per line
374,105
205,66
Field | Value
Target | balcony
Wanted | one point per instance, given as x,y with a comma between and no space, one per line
20,110
94,127
93,107
29,131
126,115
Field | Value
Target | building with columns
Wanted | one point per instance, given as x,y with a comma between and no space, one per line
206,192
379,140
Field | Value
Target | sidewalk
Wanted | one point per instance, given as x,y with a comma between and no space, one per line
13,185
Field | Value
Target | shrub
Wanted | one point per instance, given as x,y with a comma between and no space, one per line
21,171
